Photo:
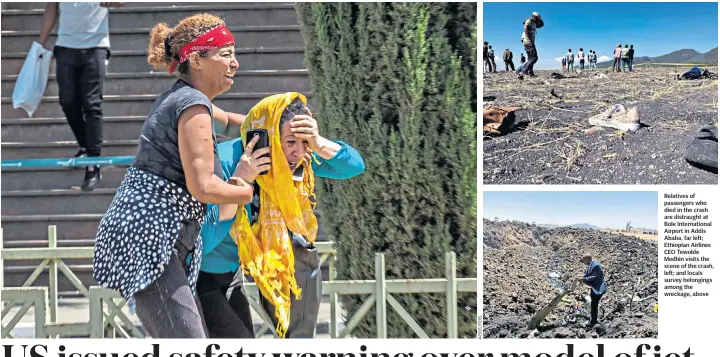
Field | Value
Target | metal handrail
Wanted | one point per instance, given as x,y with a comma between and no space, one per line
67,162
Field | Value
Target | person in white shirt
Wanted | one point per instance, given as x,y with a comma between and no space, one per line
581,58
81,52
570,60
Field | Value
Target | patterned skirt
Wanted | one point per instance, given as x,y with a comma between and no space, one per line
136,236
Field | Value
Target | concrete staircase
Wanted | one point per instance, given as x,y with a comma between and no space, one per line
270,51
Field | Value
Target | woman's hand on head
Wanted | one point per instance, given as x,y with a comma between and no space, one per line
305,127
252,162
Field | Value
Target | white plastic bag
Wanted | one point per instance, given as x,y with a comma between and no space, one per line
32,80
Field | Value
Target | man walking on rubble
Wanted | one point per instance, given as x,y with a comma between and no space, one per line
530,26
508,59
595,279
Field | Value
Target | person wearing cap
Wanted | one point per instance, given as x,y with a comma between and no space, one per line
595,279
617,55
530,27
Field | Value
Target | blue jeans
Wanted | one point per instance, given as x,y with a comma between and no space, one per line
631,63
593,66
625,62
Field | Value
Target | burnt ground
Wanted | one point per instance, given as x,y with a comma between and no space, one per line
526,266
550,147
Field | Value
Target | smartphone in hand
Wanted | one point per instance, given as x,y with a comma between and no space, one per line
263,140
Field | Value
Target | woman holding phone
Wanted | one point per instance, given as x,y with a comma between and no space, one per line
276,231
148,245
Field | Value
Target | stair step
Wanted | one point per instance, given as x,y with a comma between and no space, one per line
57,129
252,58
133,105
69,226
40,150
142,83
134,17
137,38
57,178
56,201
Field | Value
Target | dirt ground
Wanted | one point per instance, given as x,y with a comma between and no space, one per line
525,266
550,145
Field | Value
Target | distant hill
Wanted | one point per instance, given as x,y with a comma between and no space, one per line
583,226
680,56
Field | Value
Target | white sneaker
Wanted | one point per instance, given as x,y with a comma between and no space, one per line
619,118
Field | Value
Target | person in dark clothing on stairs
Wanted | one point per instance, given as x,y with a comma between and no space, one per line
595,279
82,52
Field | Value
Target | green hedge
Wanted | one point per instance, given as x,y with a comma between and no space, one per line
397,81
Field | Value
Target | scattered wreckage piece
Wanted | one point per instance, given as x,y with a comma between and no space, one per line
499,120
697,73
618,117
703,150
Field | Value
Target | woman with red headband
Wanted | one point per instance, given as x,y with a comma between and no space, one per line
148,245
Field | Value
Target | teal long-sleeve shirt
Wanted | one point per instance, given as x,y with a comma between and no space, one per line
220,253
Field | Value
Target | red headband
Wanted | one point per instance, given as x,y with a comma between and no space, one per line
216,37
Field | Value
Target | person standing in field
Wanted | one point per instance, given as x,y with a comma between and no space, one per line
530,27
581,58
564,62
616,57
625,58
631,57
508,59
570,60
491,59
595,279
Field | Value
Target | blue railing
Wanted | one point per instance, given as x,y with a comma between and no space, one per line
65,162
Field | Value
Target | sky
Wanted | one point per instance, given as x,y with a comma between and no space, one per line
654,29
605,209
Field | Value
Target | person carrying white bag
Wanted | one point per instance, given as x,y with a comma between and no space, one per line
32,80
81,52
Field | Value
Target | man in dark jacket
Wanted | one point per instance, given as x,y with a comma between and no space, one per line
522,58
631,57
595,279
508,58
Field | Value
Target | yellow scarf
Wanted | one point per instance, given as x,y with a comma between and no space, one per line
265,248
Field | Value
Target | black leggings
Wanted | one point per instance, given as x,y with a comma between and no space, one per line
226,316
166,307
